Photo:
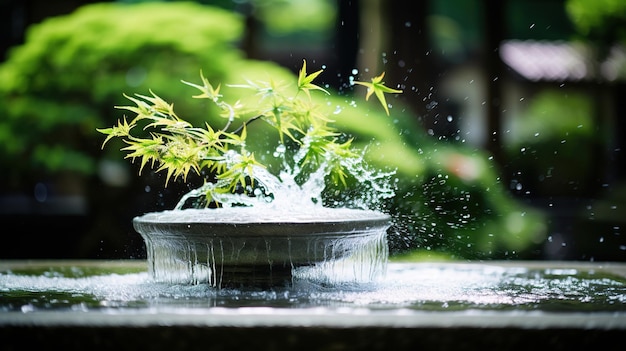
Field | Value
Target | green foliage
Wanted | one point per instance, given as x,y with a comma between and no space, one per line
60,85
177,147
378,88
554,115
603,22
590,15
555,129
449,198
64,81
285,17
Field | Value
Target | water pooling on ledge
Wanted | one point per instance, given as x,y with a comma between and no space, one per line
407,288
444,306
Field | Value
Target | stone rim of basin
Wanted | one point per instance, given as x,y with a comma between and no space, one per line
241,246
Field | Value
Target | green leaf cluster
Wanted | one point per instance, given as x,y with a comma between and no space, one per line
175,146
59,86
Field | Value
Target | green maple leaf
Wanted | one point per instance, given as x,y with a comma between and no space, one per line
377,87
305,81
121,130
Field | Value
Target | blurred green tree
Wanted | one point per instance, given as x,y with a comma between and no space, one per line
555,129
601,21
64,82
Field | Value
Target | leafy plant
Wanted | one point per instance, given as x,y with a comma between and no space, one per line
50,111
308,146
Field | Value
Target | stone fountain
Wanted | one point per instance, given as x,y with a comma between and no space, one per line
309,278
239,247
516,305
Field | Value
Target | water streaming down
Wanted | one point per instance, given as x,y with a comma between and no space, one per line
280,234
227,246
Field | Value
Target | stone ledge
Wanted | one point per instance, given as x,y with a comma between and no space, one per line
336,327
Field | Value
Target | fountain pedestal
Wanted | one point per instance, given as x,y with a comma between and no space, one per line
237,247
259,276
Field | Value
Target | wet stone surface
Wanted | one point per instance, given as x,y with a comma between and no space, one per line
499,286
447,306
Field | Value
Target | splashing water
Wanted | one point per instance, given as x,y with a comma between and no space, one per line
227,246
277,227
285,193
407,287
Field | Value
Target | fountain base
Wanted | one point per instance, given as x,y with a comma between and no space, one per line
258,276
516,305
237,247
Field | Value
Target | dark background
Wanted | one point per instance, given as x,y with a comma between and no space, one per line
420,57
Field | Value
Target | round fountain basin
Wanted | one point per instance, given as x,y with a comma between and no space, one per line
242,247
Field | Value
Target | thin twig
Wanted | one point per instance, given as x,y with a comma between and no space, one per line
238,130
